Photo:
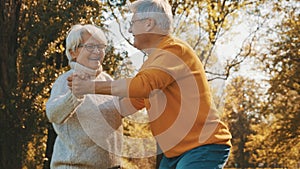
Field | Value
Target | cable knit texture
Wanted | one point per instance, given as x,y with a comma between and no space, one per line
88,130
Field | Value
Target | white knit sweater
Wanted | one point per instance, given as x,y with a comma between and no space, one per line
88,130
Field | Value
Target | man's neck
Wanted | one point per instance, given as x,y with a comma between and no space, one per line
153,42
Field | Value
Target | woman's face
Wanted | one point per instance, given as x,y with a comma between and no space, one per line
90,52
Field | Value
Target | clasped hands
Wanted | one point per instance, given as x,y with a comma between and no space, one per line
81,84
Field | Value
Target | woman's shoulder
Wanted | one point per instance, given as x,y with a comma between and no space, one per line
105,76
64,76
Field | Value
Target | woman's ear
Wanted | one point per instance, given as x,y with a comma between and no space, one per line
74,54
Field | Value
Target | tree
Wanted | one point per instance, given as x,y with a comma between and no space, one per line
8,46
240,113
282,63
32,56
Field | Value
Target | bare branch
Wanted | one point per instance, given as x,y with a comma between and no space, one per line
237,59
119,24
120,30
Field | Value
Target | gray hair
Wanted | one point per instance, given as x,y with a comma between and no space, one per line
159,10
74,38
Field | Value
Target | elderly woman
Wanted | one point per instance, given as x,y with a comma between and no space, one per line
86,126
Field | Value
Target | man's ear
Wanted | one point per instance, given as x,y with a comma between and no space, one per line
150,24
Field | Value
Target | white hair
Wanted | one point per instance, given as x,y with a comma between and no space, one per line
159,10
74,38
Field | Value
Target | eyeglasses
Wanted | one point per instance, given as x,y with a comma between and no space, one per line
92,47
133,21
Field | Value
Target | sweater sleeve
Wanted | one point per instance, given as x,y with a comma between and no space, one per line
147,81
62,103
106,76
129,106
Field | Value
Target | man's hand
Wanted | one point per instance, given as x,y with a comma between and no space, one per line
81,84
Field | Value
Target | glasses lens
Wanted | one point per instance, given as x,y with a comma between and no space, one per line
100,47
90,48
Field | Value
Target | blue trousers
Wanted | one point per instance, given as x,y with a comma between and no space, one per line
212,156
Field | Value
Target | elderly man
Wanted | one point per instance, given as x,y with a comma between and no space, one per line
172,86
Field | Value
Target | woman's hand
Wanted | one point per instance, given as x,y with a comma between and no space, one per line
81,84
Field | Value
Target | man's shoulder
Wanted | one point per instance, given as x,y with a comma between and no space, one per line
174,43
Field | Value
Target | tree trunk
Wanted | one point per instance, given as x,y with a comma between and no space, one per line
10,131
50,144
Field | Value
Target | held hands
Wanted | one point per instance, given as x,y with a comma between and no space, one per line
81,84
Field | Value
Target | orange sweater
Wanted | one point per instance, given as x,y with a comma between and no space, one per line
173,87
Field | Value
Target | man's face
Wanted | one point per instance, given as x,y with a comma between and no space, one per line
90,53
138,30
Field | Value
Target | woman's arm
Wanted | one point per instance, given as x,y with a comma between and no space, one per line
62,102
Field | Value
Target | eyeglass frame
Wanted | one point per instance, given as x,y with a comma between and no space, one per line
133,21
91,47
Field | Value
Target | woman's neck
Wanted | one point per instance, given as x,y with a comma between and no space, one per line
83,69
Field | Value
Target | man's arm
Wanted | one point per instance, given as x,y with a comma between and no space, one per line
82,85
102,87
